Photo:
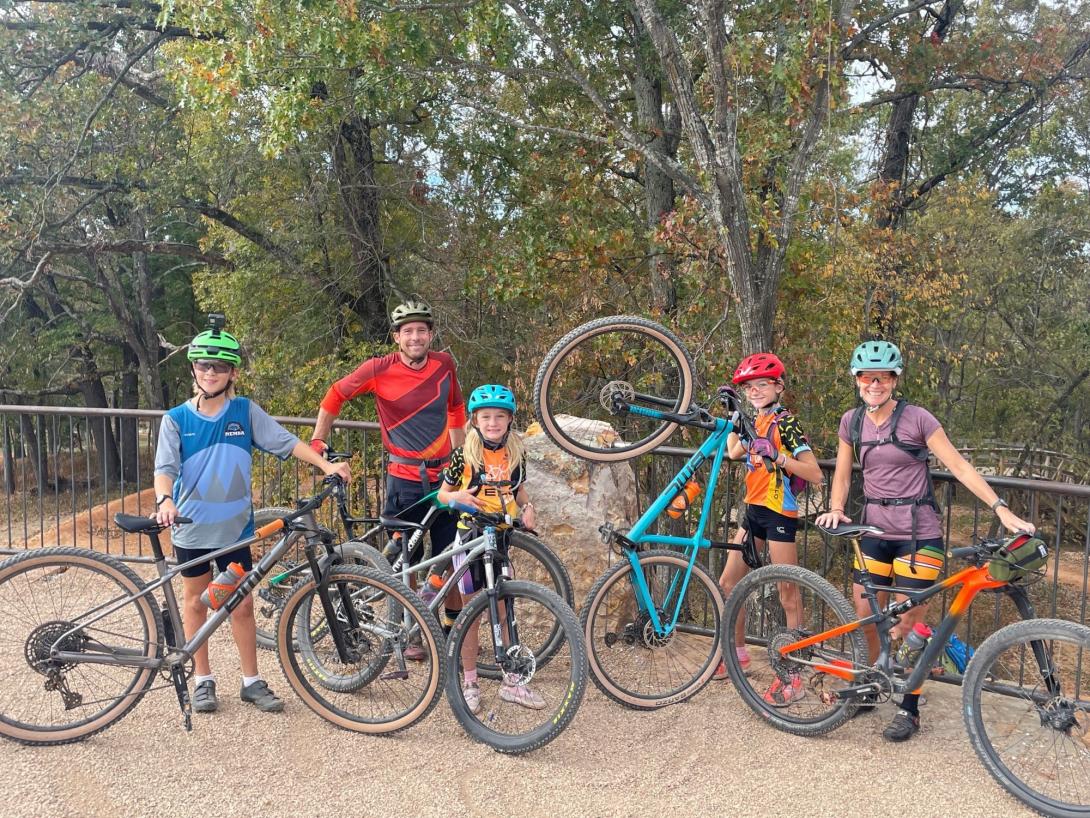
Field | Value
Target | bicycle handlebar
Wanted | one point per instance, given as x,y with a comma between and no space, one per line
486,517
739,419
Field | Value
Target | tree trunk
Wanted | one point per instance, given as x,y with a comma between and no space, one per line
34,453
663,133
369,285
9,460
127,426
142,330
94,397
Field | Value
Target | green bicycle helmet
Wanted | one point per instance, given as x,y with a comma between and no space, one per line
410,311
871,355
491,395
215,345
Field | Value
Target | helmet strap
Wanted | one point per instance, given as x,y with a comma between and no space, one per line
872,409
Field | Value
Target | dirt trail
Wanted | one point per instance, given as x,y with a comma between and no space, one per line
709,756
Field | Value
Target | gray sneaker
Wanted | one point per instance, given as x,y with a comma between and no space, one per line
260,696
204,697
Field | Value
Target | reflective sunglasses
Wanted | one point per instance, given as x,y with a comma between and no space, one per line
867,378
219,367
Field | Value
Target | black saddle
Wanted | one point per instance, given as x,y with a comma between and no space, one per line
136,524
397,522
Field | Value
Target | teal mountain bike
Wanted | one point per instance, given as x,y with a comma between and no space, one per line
613,389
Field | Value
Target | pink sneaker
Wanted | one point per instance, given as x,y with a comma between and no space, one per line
415,653
743,656
720,672
520,695
781,695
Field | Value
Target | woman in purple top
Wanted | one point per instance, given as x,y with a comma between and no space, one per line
892,440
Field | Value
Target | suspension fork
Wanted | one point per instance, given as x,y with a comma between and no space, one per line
1025,609
319,569
492,592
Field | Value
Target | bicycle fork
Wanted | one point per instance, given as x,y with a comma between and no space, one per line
502,658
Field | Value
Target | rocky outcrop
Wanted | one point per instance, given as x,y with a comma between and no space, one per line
572,497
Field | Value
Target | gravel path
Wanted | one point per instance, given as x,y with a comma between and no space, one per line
709,756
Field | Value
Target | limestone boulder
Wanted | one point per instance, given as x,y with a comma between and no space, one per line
573,497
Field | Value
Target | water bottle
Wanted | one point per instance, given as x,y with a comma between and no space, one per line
432,586
913,645
223,585
680,504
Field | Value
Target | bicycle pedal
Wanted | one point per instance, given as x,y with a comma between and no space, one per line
606,531
395,675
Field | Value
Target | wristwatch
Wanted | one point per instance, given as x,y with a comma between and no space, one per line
160,499
999,502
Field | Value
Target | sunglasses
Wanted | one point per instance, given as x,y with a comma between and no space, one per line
866,378
219,367
749,386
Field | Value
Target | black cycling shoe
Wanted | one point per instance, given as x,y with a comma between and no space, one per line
903,727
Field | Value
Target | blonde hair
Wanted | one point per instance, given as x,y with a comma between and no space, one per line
473,448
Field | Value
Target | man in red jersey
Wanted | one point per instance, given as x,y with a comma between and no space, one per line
420,411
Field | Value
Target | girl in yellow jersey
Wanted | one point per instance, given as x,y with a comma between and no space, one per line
492,453
771,496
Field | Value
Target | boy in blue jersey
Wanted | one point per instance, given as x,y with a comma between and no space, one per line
202,471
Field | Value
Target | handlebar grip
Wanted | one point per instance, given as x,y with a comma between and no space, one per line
963,553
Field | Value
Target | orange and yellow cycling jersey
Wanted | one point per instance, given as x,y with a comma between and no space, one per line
772,489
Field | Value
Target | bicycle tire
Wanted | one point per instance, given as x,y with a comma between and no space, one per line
268,596
673,375
765,586
1038,722
502,724
622,649
70,578
309,641
534,561
391,701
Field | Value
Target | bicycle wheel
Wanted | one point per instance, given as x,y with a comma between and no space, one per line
46,594
279,583
785,690
395,698
1026,701
313,640
642,360
533,561
533,702
629,662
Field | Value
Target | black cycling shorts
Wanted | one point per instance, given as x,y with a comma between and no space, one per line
240,555
766,524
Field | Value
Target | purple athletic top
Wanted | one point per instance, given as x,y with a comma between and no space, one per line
890,472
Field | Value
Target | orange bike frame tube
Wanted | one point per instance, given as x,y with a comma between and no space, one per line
973,581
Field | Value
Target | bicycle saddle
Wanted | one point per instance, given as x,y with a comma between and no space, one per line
136,524
852,530
397,522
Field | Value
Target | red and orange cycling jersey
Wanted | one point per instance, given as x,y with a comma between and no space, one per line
417,408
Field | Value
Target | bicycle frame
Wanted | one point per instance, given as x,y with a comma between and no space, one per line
714,448
181,653
971,581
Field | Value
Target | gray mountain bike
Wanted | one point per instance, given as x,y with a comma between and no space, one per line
83,638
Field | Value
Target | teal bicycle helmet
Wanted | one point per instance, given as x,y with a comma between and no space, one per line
877,355
491,395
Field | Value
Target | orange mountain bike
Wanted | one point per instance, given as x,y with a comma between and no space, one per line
1025,692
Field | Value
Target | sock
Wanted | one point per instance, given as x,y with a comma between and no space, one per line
470,676
249,680
198,679
911,704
